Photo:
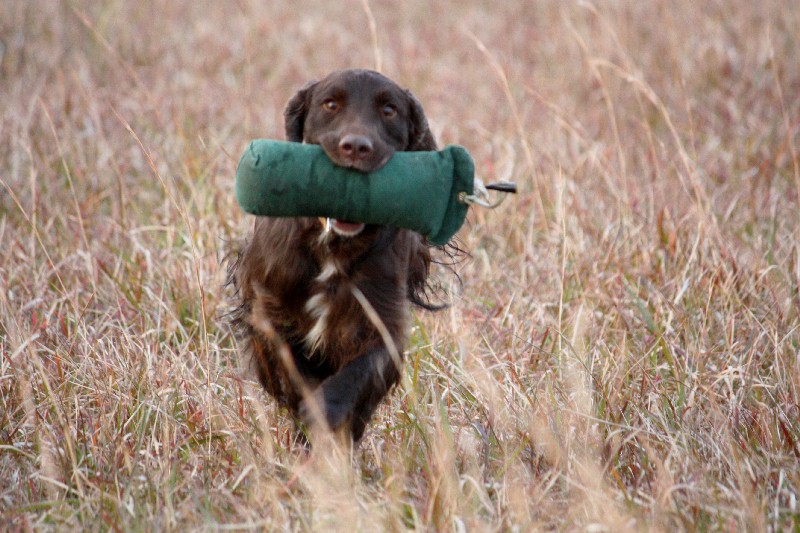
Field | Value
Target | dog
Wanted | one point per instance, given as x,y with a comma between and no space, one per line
323,305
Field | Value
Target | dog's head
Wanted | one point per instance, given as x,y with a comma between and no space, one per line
360,118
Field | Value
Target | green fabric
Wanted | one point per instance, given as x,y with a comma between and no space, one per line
414,190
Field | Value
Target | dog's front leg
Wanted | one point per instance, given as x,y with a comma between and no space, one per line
349,397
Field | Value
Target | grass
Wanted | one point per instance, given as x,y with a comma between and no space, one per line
623,354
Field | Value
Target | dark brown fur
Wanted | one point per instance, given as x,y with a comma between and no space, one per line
360,118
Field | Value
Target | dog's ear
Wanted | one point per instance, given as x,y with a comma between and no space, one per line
418,268
294,115
420,138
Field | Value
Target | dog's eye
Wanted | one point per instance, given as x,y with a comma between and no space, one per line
389,111
330,105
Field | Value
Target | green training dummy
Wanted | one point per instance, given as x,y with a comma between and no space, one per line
422,191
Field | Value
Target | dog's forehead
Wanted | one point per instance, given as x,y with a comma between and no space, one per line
358,84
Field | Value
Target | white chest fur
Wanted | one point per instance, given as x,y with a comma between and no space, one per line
318,307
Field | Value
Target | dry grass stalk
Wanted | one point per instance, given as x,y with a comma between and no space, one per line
623,353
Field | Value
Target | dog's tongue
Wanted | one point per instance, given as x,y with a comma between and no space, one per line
347,228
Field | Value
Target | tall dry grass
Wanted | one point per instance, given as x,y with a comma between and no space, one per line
623,353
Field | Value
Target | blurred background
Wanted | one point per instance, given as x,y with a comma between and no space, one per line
622,351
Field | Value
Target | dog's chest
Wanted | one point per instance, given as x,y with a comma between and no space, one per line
334,317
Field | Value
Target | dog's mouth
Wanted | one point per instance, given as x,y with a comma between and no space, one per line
375,160
346,229
362,165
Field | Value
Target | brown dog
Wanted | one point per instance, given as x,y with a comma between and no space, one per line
302,282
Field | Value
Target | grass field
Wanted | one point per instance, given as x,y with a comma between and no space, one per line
623,352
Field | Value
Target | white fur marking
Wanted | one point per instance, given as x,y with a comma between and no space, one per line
318,308
329,270
326,231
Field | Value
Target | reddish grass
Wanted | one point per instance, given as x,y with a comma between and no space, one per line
624,352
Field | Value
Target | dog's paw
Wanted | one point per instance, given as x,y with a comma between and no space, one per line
337,414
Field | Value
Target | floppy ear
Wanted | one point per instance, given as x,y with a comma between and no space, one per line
294,115
418,268
420,138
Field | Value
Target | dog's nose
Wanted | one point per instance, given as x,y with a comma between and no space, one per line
355,147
